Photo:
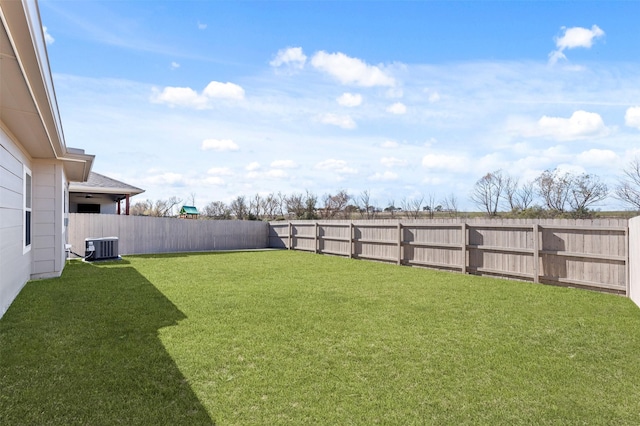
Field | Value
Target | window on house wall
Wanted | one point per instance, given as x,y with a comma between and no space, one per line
27,198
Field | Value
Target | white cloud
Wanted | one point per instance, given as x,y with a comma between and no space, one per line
351,70
277,173
385,176
168,178
175,65
180,96
220,171
434,97
219,145
284,164
394,92
292,58
453,163
572,38
256,174
389,144
187,97
632,117
219,90
202,26
214,180
598,158
392,162
253,166
581,124
343,121
48,38
398,108
338,166
350,99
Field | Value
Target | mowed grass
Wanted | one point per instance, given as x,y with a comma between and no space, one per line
295,338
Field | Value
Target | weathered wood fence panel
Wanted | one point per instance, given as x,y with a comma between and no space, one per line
634,260
583,253
148,235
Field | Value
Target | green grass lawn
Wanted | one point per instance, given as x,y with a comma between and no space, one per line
295,338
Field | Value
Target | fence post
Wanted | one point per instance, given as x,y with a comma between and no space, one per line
316,237
351,242
400,238
464,242
289,236
536,253
628,261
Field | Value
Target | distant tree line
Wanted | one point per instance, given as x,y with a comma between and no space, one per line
552,194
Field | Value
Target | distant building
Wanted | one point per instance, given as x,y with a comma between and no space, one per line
188,212
101,194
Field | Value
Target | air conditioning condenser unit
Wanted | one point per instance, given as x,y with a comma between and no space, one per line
100,248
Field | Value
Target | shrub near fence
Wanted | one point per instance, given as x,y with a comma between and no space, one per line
149,235
582,253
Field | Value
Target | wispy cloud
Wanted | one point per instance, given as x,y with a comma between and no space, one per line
291,59
219,145
397,108
350,99
343,121
48,38
350,70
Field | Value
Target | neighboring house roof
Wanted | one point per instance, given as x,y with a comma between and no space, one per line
28,106
101,184
188,210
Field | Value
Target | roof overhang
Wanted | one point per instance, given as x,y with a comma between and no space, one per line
102,190
28,106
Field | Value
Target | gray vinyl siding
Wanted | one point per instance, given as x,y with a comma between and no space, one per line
48,232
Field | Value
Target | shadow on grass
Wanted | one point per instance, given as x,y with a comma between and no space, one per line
84,349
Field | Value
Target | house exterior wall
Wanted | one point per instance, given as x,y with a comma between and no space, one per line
15,261
48,219
106,206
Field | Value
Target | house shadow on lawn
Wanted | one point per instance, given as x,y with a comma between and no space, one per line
84,349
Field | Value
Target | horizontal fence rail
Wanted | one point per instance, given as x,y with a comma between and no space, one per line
149,235
581,253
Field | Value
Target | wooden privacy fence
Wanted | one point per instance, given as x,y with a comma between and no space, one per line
148,235
587,253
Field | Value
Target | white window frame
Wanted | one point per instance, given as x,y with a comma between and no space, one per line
27,209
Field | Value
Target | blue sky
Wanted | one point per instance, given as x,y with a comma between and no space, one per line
403,99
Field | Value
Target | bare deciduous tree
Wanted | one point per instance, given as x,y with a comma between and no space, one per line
335,205
431,206
487,192
555,189
367,210
270,206
302,206
239,208
164,208
141,208
217,210
255,207
450,205
628,188
586,190
524,196
411,207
